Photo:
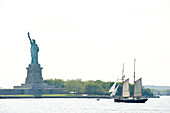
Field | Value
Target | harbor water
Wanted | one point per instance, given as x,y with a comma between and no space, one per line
73,105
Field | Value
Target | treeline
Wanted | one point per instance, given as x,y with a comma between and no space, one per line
161,92
91,87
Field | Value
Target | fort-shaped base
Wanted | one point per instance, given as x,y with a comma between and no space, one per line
34,79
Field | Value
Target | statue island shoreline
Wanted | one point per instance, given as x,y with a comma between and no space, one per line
53,96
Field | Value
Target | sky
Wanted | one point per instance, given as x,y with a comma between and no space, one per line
88,39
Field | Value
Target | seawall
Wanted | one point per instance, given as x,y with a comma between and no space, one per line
31,91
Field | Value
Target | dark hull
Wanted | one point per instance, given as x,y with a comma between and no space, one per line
142,100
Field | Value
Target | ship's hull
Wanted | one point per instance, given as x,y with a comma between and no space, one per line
142,100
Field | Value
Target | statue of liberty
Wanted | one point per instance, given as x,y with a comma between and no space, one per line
34,51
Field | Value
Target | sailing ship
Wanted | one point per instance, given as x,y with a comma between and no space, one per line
137,90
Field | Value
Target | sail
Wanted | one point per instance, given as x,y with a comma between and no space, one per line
138,88
113,86
125,91
114,92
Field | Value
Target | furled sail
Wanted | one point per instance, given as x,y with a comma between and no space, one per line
138,88
125,91
114,91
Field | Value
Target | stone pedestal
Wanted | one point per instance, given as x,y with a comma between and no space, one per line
34,79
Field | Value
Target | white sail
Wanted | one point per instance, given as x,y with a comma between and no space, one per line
113,87
114,92
138,88
125,91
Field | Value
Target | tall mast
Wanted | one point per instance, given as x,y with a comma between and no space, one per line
122,78
123,73
134,78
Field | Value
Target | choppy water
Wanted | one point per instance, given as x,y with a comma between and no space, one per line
153,105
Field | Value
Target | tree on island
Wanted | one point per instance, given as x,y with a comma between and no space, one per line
91,87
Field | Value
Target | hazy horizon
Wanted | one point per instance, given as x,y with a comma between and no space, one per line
86,39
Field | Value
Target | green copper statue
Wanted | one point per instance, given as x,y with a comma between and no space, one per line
34,51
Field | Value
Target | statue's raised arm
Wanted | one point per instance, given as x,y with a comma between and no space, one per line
29,38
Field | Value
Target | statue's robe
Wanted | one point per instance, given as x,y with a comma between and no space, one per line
34,53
